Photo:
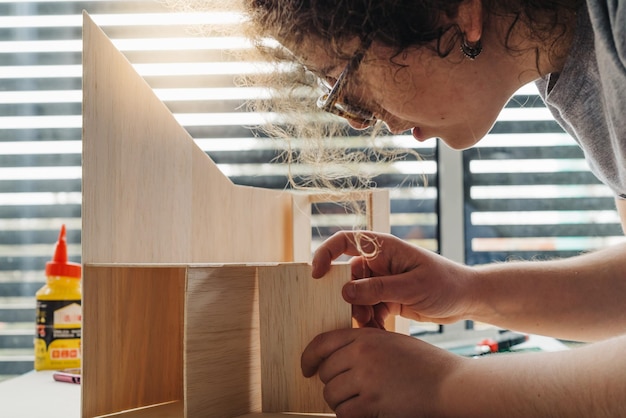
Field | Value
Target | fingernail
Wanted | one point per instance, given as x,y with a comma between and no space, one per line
314,269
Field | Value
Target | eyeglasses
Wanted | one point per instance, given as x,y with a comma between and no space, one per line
333,101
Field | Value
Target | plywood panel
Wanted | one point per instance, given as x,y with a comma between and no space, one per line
378,209
222,354
132,337
294,308
167,410
150,195
286,415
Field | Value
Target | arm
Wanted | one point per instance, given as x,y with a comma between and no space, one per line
583,382
370,372
579,298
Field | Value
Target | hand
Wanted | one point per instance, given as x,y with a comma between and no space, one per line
373,373
397,278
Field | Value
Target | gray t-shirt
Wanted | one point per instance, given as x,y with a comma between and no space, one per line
588,97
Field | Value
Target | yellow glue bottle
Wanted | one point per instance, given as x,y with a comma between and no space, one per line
59,313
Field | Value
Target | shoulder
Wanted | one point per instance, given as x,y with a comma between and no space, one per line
608,20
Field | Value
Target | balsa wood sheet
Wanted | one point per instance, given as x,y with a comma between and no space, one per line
150,194
132,337
294,309
222,353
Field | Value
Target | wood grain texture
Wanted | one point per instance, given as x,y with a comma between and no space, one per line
378,208
286,415
150,194
174,410
167,410
132,337
222,354
293,309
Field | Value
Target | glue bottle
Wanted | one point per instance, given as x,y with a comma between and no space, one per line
59,313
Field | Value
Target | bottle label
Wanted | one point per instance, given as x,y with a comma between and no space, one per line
57,343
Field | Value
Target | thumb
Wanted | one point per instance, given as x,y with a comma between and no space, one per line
373,290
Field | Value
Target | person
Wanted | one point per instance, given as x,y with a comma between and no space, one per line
445,68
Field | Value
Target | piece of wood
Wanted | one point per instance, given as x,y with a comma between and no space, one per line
378,207
286,415
150,194
132,337
165,410
192,333
222,357
294,308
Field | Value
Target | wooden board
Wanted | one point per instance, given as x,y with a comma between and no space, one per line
286,415
222,357
132,337
166,410
225,307
150,194
294,308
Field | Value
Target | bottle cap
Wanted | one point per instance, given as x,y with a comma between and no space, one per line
59,266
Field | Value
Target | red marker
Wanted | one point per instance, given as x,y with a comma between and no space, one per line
503,342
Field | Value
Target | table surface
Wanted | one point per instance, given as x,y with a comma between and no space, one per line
37,394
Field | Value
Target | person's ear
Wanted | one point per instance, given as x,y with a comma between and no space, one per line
470,19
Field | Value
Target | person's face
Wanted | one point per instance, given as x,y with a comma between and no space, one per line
452,98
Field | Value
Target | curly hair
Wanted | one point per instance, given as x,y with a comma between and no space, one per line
396,23
311,135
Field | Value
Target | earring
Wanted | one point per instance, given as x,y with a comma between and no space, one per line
471,49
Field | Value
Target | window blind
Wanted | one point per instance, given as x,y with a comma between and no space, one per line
529,192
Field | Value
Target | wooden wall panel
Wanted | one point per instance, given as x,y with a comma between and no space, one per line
150,194
132,337
294,308
222,354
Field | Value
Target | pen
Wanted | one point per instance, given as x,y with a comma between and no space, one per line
67,376
503,342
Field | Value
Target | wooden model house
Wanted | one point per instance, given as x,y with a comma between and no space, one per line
197,293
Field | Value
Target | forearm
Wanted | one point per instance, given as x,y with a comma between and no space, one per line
584,382
580,298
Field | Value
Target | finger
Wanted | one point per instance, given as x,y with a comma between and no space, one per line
374,290
381,313
340,389
362,314
360,268
354,408
343,242
322,347
340,362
